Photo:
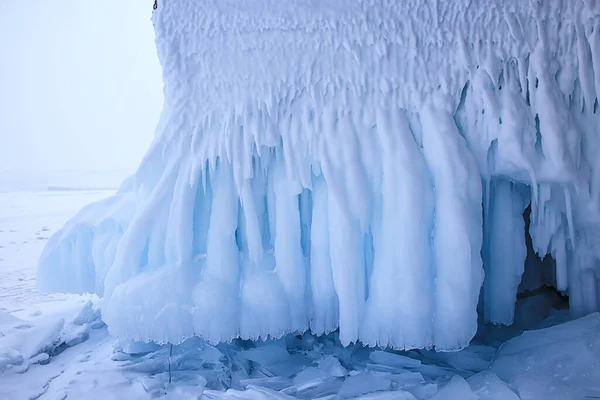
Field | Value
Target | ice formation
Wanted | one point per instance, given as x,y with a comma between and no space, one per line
356,164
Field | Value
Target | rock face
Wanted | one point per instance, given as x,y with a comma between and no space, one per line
354,165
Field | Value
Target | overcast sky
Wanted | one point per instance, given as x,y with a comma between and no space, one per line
80,84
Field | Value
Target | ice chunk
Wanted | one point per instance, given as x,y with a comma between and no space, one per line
393,395
42,338
331,365
188,392
266,355
120,356
30,344
251,393
408,378
310,374
394,360
474,358
487,386
133,347
363,383
425,391
9,356
456,389
72,335
88,314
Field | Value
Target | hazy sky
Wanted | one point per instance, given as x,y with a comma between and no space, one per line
80,84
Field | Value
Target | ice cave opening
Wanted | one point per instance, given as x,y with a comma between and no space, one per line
539,273
537,296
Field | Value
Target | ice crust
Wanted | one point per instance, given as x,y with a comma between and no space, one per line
326,164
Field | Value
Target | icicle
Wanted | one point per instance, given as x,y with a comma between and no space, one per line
569,216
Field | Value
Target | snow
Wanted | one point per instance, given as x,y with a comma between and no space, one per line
56,346
27,220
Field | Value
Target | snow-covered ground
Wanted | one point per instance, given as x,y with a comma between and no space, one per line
27,219
55,346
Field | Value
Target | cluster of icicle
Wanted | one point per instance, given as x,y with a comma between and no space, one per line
358,165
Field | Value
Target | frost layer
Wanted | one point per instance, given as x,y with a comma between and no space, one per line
356,165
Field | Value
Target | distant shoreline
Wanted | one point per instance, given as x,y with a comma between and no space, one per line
79,189
52,181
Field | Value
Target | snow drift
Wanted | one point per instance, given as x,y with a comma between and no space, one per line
355,165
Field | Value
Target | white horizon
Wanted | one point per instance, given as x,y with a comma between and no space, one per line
80,86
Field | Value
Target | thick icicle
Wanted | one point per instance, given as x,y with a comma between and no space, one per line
505,261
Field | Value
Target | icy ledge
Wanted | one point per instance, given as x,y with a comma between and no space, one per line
354,165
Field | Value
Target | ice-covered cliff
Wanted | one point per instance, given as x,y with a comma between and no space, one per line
355,164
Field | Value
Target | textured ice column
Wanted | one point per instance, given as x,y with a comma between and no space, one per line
400,307
584,288
506,251
347,268
216,296
324,297
291,269
457,229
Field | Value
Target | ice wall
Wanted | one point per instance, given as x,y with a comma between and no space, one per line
353,164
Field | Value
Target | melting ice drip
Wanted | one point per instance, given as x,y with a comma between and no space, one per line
354,165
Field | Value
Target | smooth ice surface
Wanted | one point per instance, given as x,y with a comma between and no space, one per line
562,361
355,165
